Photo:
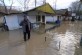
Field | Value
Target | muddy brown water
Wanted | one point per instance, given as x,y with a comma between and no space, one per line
63,40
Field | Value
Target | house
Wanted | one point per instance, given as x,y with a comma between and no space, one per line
12,21
62,14
41,14
36,16
10,18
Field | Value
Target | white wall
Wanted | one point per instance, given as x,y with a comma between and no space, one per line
20,18
32,19
51,18
1,19
12,22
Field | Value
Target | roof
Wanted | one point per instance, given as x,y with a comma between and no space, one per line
44,8
61,11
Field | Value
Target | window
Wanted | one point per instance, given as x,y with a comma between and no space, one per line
38,18
43,18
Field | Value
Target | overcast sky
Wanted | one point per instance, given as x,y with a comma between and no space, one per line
61,4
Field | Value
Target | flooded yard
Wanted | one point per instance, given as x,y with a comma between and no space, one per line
66,38
63,40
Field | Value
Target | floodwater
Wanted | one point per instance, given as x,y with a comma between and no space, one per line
63,40
66,38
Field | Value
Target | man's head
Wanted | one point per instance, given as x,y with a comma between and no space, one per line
25,17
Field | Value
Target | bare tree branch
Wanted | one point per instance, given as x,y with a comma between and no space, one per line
27,3
3,2
20,2
11,6
76,7
5,7
24,4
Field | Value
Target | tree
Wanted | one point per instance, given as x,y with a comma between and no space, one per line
7,10
24,4
76,7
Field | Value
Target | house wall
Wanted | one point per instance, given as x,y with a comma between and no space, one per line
51,18
1,19
12,22
32,16
20,18
32,19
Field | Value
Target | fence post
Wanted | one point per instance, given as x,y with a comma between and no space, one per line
45,39
59,44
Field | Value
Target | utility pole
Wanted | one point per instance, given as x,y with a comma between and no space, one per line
44,1
35,3
55,4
